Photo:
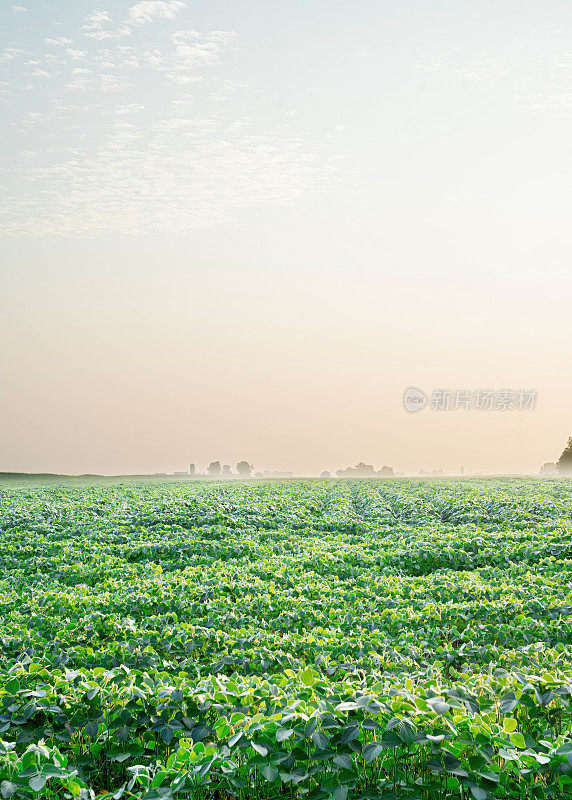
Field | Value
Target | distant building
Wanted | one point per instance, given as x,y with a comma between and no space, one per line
180,473
159,473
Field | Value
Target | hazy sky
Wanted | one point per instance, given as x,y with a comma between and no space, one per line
241,229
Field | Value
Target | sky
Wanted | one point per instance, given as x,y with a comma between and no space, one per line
241,230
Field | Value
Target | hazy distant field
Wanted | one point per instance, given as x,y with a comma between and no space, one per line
319,639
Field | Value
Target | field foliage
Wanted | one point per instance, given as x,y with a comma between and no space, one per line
319,639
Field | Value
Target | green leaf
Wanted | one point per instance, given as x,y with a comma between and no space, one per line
348,706
517,740
372,751
167,734
343,761
7,789
12,686
320,740
439,707
236,738
406,733
91,728
37,783
269,771
308,677
508,702
490,776
120,757
509,724
349,733
122,733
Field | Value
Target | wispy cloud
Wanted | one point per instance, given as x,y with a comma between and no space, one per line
59,41
96,25
126,148
9,54
184,175
191,51
99,24
535,73
76,55
151,10
18,9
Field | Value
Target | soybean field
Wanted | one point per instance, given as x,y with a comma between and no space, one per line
324,640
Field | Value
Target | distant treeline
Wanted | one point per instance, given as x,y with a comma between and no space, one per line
55,476
362,470
22,476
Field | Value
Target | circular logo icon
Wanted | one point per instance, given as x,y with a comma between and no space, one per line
414,399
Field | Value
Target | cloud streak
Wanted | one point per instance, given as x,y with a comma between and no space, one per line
188,174
533,74
126,148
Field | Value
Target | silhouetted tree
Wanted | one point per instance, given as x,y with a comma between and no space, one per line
548,469
364,470
386,472
360,470
325,474
244,469
192,469
226,470
214,468
564,463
